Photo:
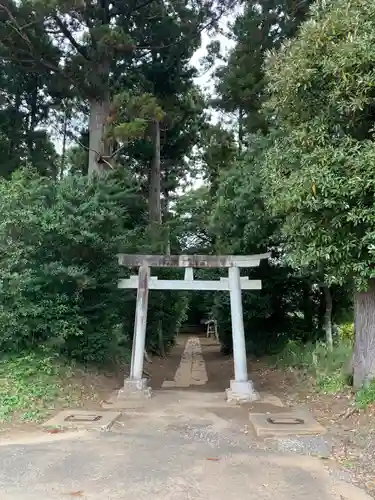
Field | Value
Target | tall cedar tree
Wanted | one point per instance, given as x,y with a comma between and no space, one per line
89,45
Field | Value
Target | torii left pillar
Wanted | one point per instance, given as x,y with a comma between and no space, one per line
136,383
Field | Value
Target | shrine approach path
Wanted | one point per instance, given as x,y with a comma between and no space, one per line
185,443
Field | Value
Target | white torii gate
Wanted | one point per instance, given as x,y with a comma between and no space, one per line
241,388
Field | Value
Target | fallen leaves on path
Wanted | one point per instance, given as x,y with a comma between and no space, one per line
55,430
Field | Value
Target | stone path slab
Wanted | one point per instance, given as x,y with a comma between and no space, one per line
192,369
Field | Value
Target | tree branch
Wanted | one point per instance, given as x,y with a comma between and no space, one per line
101,158
15,26
27,54
136,8
117,151
193,33
65,31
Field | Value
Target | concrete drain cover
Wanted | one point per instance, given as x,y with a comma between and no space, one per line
101,420
285,421
83,418
285,424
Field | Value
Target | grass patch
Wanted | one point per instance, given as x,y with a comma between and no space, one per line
365,396
34,383
327,368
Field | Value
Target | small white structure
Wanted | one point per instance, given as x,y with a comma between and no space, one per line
241,388
211,328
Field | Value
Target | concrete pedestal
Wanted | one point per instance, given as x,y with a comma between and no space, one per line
134,388
242,392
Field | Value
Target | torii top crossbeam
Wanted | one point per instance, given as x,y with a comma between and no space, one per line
195,261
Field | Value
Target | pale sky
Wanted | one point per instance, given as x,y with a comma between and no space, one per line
205,80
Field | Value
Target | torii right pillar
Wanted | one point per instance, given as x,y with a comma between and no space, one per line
241,388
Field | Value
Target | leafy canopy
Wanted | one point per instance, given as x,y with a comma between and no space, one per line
319,171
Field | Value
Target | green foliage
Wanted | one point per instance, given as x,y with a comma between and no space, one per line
190,221
132,115
328,68
318,173
365,396
167,311
28,385
319,188
89,53
23,111
242,225
346,331
326,367
58,268
219,152
239,217
287,307
241,81
33,382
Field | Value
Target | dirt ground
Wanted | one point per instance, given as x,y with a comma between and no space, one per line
352,434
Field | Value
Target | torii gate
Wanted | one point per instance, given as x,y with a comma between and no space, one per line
241,388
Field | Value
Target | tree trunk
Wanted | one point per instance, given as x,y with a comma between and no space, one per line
13,142
98,146
240,130
328,316
154,204
364,348
165,220
32,119
308,309
63,152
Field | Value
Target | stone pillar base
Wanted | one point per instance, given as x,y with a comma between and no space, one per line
241,392
134,388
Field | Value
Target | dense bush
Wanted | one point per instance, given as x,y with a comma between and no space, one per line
59,271
58,266
286,306
167,310
318,176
